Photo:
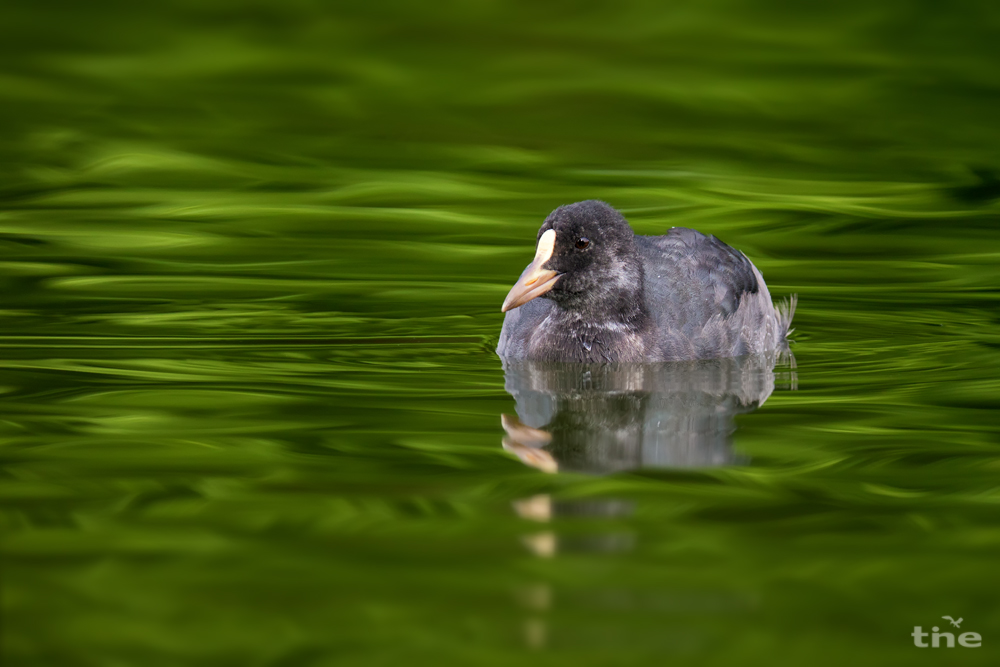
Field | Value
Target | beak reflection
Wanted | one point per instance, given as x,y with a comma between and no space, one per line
526,443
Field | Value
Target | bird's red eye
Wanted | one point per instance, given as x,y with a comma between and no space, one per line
582,242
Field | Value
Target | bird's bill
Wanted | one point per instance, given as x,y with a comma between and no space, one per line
534,281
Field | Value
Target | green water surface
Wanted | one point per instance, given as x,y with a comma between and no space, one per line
252,260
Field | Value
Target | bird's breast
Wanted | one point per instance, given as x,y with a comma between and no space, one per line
587,342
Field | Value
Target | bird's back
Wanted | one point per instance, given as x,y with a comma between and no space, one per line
706,298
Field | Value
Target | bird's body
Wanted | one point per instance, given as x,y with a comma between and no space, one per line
622,297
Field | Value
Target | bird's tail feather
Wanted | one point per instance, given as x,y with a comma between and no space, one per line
786,311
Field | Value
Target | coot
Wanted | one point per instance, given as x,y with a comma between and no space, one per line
609,295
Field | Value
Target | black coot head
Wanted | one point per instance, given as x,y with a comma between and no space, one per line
585,256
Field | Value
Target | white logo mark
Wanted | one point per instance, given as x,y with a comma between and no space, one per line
966,639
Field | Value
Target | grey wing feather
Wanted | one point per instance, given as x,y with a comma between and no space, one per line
708,299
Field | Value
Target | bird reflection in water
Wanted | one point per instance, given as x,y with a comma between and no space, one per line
605,418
